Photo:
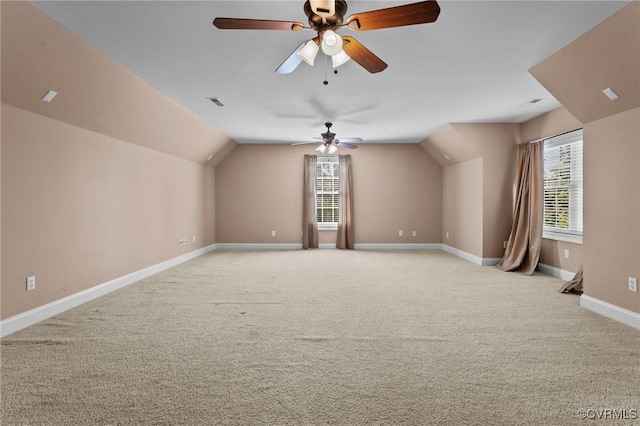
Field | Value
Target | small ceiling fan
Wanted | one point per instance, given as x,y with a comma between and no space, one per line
328,142
327,16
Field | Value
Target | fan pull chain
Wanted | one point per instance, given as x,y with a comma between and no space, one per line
325,82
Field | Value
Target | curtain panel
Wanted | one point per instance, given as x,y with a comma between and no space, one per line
309,221
346,230
525,240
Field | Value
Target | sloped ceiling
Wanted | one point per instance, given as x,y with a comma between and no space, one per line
607,56
95,92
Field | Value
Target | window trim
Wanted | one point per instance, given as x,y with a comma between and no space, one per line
552,142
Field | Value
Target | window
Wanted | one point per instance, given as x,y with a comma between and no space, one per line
327,193
563,187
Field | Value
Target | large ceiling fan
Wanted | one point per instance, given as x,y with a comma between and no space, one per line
327,16
328,143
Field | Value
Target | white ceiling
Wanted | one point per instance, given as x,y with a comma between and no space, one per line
469,66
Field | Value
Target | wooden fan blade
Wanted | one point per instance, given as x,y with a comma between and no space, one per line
423,12
256,24
363,56
292,62
346,145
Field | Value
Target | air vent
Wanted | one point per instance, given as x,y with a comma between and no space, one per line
535,101
216,101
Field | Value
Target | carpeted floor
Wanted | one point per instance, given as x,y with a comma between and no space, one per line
325,337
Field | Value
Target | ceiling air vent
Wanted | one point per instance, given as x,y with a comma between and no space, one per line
216,101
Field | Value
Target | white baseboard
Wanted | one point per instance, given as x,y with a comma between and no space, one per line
556,272
470,257
399,246
258,246
608,310
25,319
294,246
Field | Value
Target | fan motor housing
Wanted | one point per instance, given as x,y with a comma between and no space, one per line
318,23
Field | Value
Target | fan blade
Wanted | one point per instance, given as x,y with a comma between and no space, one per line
346,145
292,62
304,143
423,12
256,24
350,140
363,56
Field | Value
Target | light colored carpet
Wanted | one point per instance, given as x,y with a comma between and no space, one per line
324,337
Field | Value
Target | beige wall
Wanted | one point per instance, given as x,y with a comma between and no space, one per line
462,214
496,143
396,187
605,56
478,184
80,209
612,208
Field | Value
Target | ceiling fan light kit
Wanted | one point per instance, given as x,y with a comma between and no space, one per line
308,52
326,17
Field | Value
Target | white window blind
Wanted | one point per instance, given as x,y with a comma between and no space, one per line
563,187
327,192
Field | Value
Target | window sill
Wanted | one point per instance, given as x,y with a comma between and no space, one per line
558,236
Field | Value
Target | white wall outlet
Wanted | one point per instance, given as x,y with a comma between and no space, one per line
400,233
566,253
194,238
31,283
504,244
447,235
633,284
414,234
273,233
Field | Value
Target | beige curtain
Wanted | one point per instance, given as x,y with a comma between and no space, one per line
574,285
309,221
523,248
346,233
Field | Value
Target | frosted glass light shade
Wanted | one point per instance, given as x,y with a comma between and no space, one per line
339,58
331,43
332,149
321,148
308,52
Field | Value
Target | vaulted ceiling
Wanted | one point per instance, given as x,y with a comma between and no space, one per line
471,65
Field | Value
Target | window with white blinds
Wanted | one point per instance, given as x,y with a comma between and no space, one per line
563,187
327,180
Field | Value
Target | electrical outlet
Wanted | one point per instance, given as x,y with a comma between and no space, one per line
504,244
447,235
400,233
633,284
566,253
273,233
414,233
194,238
31,283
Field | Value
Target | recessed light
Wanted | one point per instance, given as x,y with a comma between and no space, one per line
48,97
609,92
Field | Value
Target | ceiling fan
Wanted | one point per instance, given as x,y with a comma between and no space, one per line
327,16
328,142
